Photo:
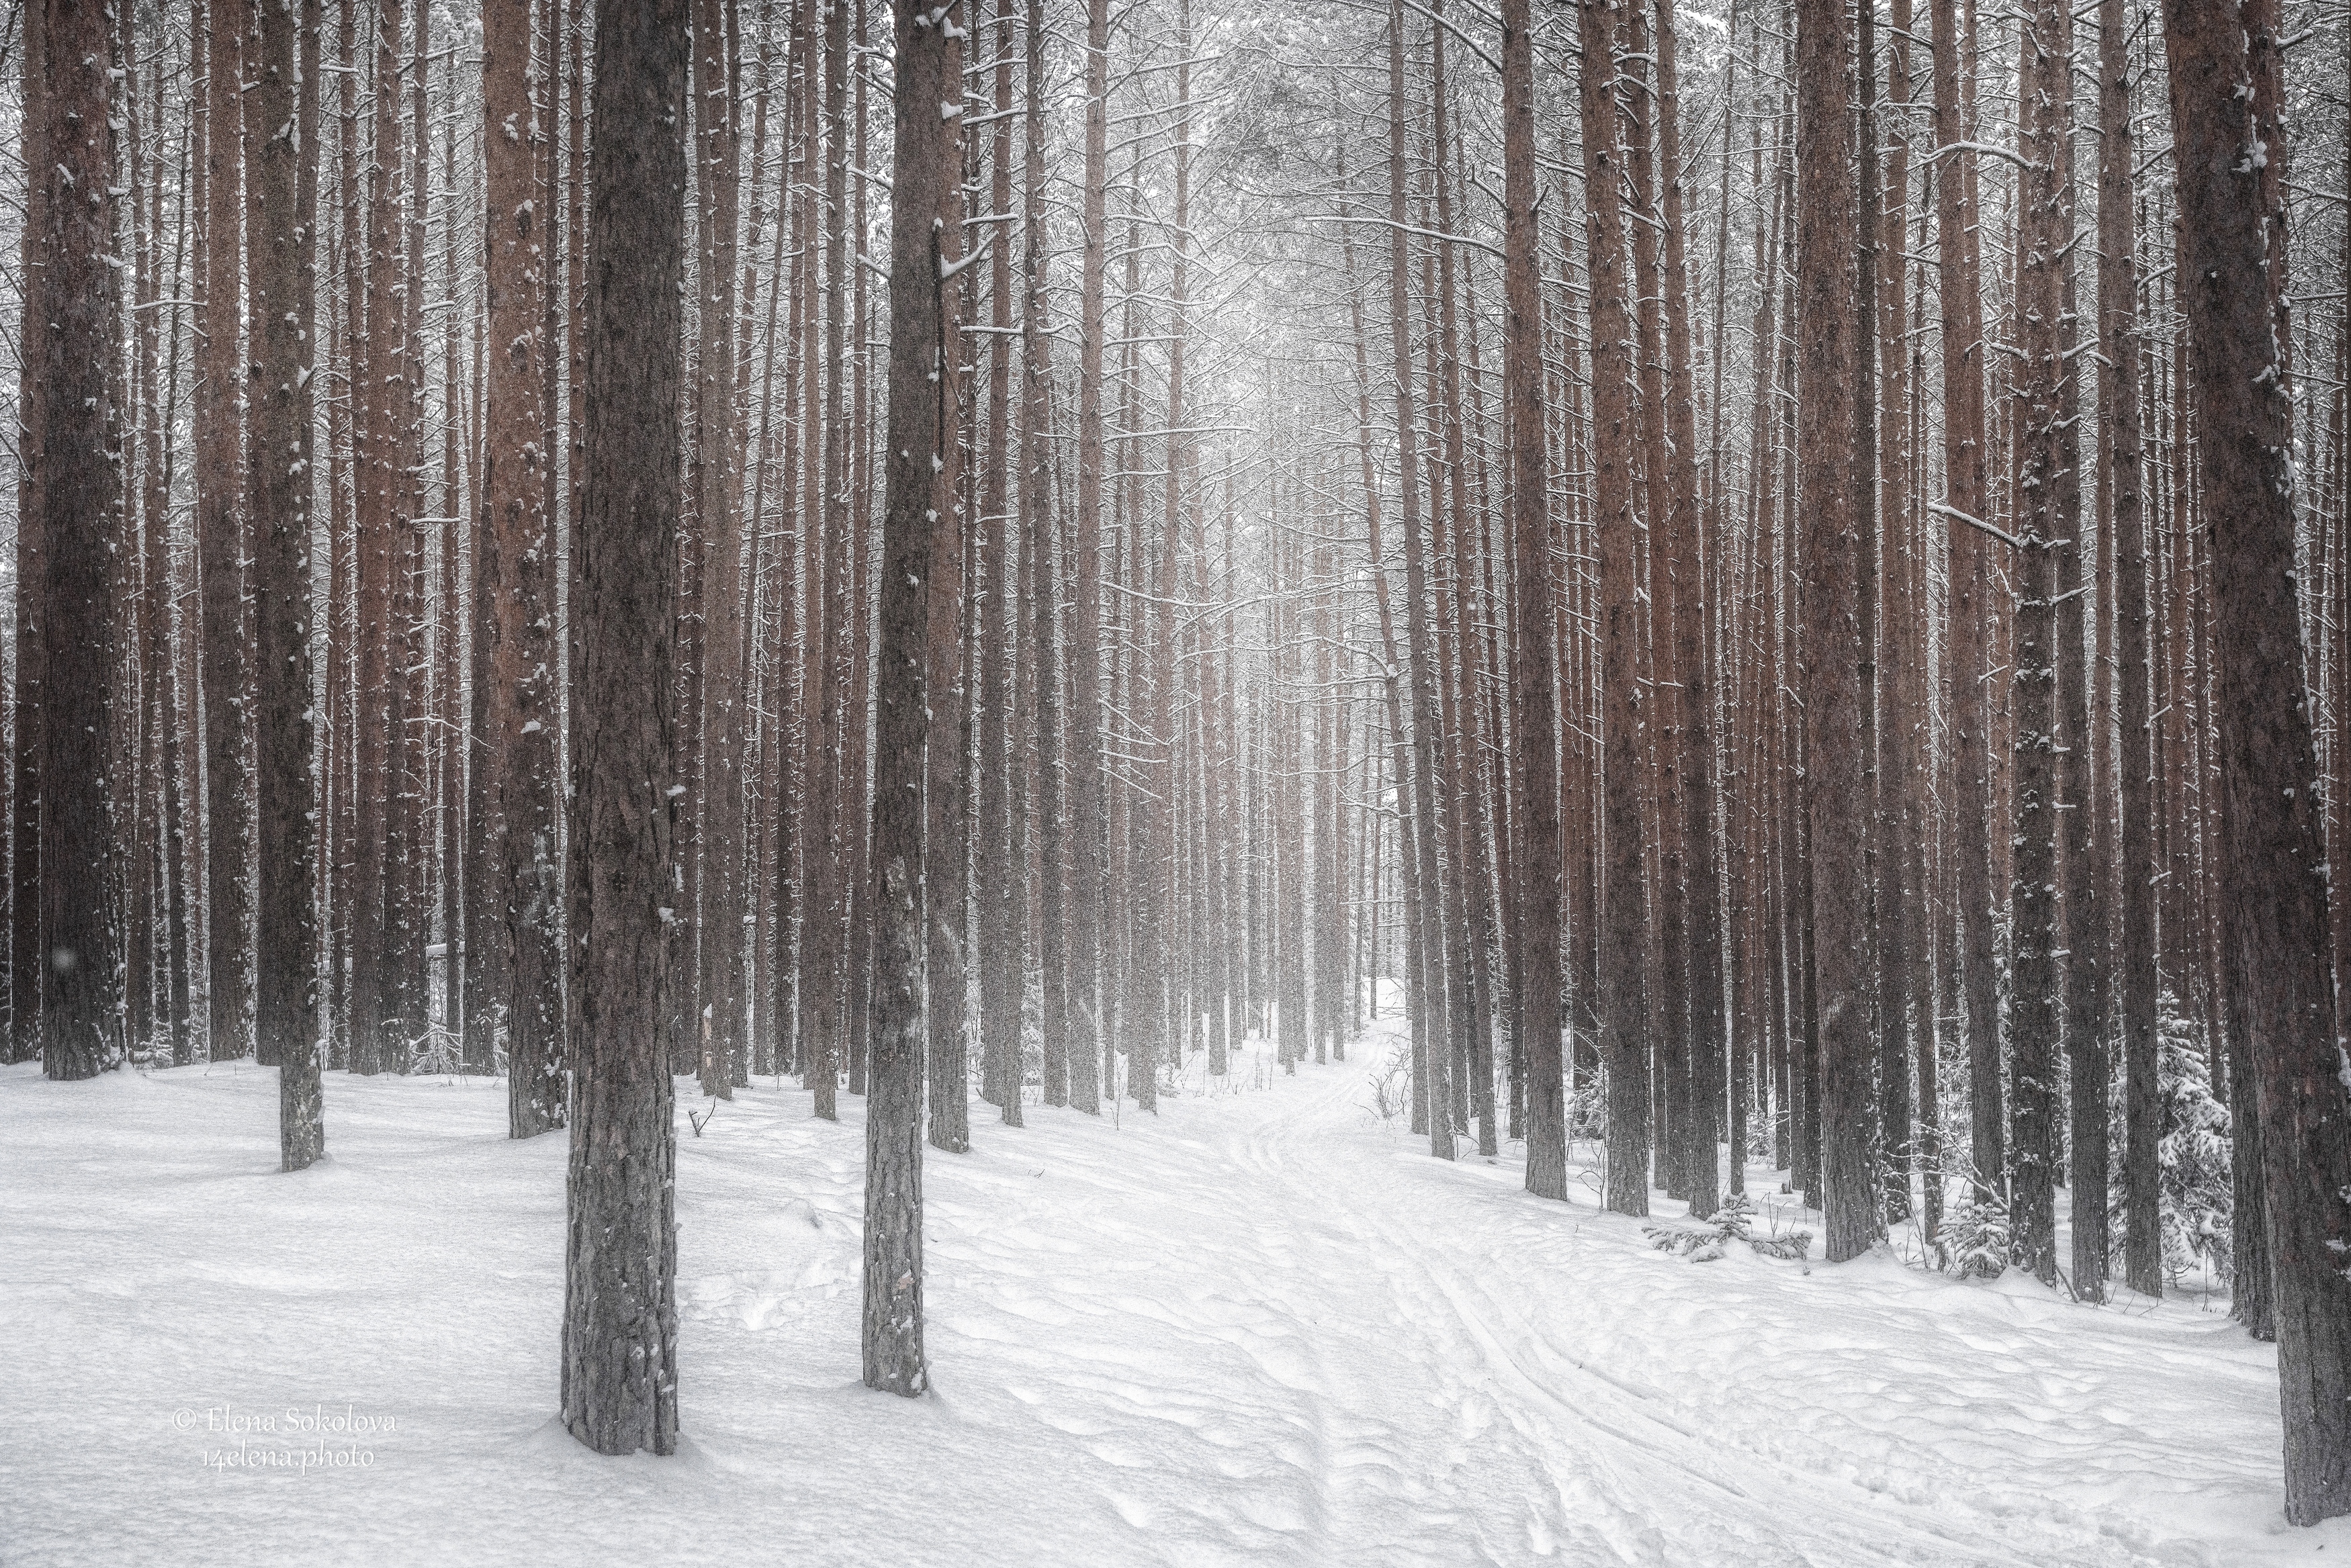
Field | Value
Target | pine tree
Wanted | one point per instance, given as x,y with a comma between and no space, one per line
1088,825
221,542
2032,1016
1965,487
27,965
620,1321
1623,1002
514,577
1834,636
926,226
283,258
1001,960
725,729
1533,662
72,305
2225,61
1433,1074
2122,495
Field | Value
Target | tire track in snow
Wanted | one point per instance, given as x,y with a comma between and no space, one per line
1555,1509
1629,1474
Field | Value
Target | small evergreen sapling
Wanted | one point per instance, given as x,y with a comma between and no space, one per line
1976,1241
2192,1154
1734,1222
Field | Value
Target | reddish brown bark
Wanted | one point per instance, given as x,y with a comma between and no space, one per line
2225,65
620,1321
1834,642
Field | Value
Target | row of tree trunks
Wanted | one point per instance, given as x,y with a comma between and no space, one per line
1713,793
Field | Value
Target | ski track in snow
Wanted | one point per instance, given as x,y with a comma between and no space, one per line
1262,1328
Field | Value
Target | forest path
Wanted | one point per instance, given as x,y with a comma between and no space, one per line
1261,1327
1530,1380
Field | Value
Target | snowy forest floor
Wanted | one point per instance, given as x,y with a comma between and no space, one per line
1265,1328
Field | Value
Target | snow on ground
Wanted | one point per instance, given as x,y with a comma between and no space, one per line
1265,1328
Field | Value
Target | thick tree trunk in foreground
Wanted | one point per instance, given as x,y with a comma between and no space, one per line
926,219
620,1317
285,958
72,305
2225,59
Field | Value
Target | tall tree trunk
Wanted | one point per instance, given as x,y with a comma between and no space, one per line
1902,661
514,576
1149,1043
620,1319
1001,960
858,487
1623,1004
2122,489
1392,676
408,840
72,311
135,803
1693,602
25,961
1533,662
221,546
927,213
2084,834
1084,768
348,420
837,799
1037,534
2226,65
1964,491
286,957
721,1021
1433,1077
946,842
797,824
1468,889
1835,637
2033,1014
1869,528
162,649
451,720
1667,937
375,375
